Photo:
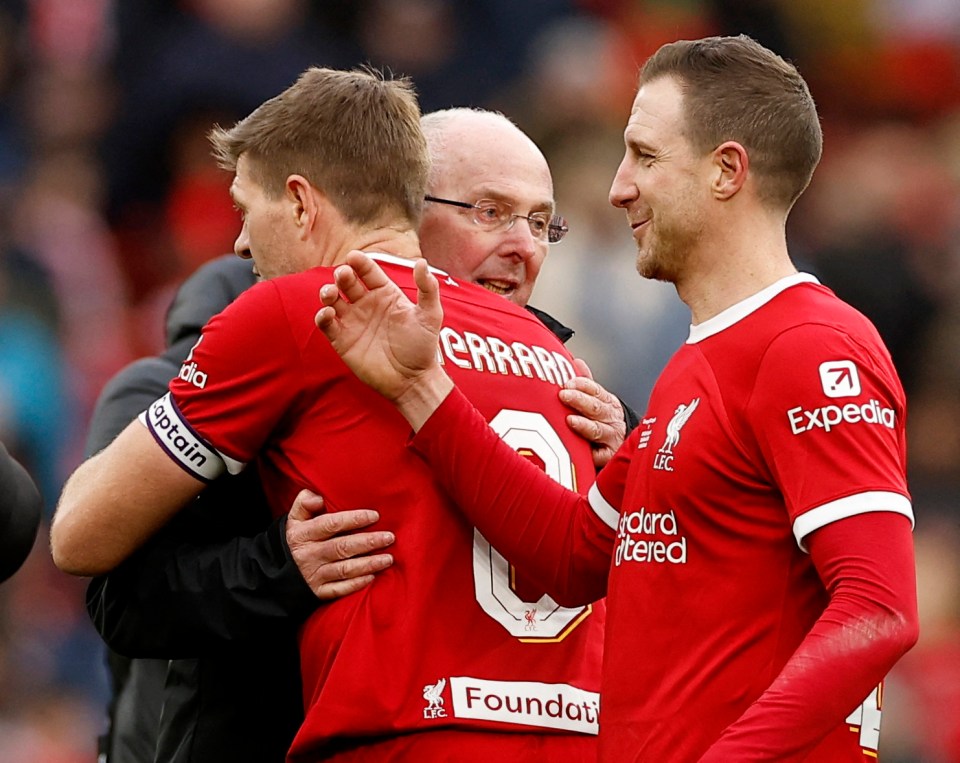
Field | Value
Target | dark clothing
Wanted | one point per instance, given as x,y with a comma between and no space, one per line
214,585
20,508
216,589
561,332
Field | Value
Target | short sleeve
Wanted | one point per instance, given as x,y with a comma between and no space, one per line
828,413
241,376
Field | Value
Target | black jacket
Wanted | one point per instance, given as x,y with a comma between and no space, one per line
213,590
216,589
20,508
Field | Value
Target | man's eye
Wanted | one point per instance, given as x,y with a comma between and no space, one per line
539,223
489,213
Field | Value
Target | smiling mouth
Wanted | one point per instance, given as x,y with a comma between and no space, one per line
497,287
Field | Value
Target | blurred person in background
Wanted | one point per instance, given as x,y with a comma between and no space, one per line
20,507
754,610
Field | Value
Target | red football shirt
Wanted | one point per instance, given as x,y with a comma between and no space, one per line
450,637
779,416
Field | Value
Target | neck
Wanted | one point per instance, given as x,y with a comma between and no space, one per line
743,261
400,242
403,243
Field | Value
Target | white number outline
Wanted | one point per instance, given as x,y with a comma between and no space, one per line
866,720
543,619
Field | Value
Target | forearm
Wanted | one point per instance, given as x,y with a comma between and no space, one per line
115,501
870,622
174,600
545,530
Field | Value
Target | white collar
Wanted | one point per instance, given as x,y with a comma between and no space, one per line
737,312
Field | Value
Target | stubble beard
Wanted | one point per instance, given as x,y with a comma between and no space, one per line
667,248
659,261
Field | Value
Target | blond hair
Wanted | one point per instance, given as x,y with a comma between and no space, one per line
354,135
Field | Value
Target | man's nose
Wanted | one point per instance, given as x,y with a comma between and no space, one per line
241,247
525,244
623,190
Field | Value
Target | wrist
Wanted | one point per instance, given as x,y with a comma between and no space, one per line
422,397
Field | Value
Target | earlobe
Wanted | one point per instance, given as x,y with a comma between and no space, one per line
731,163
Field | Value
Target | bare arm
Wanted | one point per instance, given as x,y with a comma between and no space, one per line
115,501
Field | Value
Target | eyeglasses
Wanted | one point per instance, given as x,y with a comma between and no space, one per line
493,215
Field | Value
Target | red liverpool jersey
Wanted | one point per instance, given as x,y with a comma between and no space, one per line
779,416
450,637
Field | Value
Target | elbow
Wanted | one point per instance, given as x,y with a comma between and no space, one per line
71,552
909,630
898,634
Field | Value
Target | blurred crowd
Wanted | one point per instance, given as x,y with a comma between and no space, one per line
109,198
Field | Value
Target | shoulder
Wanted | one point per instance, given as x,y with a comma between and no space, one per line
127,393
205,293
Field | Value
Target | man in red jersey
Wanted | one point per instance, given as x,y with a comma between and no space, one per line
755,529
450,655
226,603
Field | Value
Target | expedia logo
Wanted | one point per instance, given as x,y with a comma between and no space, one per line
830,416
189,373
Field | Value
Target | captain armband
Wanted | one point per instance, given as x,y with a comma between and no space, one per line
194,454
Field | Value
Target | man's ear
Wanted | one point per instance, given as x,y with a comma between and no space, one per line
731,164
305,203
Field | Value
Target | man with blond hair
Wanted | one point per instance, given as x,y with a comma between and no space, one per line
449,654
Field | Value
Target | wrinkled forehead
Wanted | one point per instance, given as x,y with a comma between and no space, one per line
498,165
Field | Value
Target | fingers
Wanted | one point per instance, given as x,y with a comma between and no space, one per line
586,403
589,429
581,367
333,580
358,275
307,504
333,558
368,273
428,293
354,577
326,317
588,386
308,528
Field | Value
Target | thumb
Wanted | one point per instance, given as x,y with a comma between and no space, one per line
581,367
306,505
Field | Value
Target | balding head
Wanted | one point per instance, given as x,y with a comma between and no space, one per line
476,155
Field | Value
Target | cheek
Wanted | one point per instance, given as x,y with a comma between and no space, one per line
533,267
450,251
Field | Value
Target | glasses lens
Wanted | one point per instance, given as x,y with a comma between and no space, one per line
491,214
557,229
